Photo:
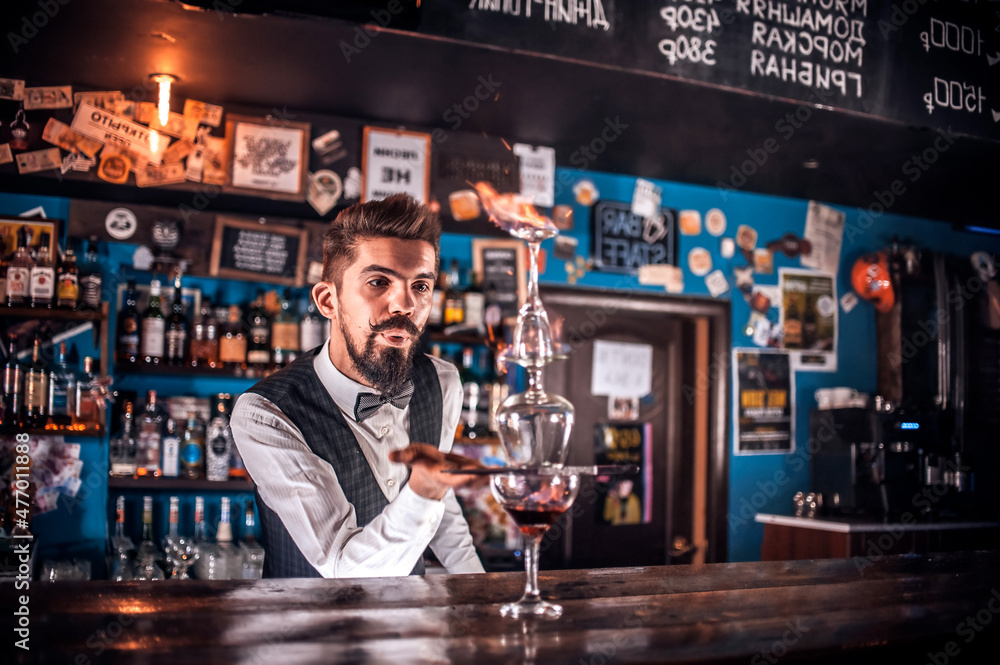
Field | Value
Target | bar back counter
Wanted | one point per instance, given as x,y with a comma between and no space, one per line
935,608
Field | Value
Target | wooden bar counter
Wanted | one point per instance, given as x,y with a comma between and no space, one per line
935,608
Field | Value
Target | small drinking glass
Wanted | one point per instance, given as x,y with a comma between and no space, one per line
534,500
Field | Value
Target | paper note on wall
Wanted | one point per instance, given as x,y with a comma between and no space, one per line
621,368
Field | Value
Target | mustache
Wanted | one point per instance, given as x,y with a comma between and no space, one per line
397,322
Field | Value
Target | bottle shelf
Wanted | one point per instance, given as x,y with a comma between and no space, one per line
54,313
95,431
185,370
180,484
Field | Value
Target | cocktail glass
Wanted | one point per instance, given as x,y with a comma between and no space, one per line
534,500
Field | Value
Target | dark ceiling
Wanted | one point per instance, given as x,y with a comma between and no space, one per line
670,129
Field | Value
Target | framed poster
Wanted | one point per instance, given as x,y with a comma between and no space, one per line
395,161
501,265
763,409
269,157
809,318
247,249
629,499
9,227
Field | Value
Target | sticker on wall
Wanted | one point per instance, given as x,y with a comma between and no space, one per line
646,198
791,246
12,89
623,407
464,205
576,269
5,155
565,248
586,193
717,283
537,168
690,222
114,168
760,301
121,223
744,280
670,277
746,237
715,222
562,217
699,261
848,301
142,258
40,160
763,261
324,190
727,247
352,184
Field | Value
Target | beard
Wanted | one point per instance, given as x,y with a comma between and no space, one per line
388,368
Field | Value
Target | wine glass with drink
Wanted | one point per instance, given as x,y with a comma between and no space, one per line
534,500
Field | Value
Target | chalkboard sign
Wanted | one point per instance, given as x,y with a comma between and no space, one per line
923,63
500,265
245,249
623,241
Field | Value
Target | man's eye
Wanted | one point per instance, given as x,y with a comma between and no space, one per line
422,288
378,282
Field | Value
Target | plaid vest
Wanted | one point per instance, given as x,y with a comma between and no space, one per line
300,395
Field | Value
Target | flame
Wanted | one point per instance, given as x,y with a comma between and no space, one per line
511,212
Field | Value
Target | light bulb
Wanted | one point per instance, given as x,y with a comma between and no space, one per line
164,108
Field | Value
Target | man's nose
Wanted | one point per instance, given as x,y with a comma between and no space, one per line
401,300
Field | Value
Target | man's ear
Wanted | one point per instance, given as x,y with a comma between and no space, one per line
325,296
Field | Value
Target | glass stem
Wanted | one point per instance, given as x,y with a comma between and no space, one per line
533,298
531,546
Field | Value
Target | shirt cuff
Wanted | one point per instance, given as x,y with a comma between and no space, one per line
469,566
412,509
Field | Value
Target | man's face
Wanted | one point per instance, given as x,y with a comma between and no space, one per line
380,311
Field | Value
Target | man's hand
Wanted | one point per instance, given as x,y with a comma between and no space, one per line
426,464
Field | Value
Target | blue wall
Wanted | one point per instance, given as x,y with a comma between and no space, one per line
757,482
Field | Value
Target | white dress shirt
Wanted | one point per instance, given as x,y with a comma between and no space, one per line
302,488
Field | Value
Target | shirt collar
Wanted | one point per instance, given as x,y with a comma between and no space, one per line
342,389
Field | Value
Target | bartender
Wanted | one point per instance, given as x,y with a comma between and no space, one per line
347,444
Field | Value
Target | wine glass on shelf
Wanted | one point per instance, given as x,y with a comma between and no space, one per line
534,500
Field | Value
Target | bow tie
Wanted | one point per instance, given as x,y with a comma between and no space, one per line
369,403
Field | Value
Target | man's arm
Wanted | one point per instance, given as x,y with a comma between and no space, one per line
302,489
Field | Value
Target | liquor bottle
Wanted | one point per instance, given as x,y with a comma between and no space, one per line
19,271
148,553
472,424
42,288
474,303
285,334
150,437
231,562
176,327
36,387
171,450
88,399
154,327
204,350
193,448
68,282
207,561
19,131
259,344
453,306
180,550
233,341
311,332
62,390
120,546
3,272
13,386
91,279
253,553
123,449
218,440
127,349
237,469
793,325
435,319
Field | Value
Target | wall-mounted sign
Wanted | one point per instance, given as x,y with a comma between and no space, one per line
394,162
538,173
764,414
269,158
624,241
245,249
120,133
500,266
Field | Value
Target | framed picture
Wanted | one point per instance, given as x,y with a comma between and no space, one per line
502,265
247,249
9,227
395,161
269,157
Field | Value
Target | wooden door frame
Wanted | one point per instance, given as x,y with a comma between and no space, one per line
604,303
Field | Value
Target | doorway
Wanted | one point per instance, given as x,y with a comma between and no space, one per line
673,511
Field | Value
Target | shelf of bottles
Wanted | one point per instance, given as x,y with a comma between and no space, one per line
184,554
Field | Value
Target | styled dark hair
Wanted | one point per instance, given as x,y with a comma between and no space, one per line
398,216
